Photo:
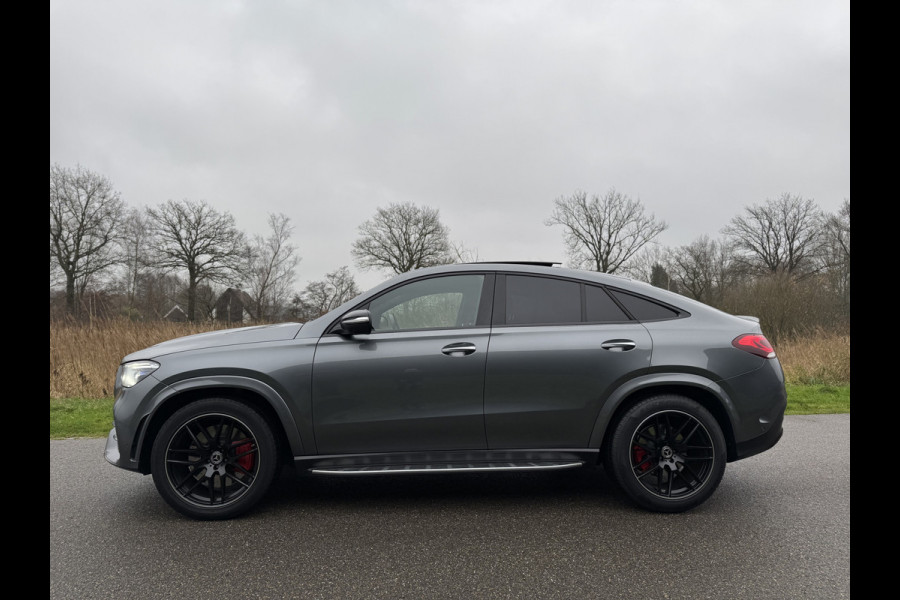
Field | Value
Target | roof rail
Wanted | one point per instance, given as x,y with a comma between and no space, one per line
534,263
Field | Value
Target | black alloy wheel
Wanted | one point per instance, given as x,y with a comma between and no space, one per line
668,454
213,459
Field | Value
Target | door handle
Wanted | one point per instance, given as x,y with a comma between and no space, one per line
458,349
618,345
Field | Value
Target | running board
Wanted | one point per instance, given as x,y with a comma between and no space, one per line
445,467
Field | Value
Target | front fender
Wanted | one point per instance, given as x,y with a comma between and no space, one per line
664,383
283,411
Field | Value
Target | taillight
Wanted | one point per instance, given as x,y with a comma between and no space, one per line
754,343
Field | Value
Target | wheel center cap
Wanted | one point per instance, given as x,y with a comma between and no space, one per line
216,457
669,460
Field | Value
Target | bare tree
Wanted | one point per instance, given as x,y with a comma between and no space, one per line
602,233
648,264
85,212
271,268
135,242
321,296
703,268
837,252
784,234
401,238
837,234
206,298
157,292
462,254
200,240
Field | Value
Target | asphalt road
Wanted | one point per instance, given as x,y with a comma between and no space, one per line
778,527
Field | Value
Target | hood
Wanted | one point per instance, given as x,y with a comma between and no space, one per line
225,337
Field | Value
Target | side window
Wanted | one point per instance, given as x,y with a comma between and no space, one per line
439,302
537,300
643,309
600,308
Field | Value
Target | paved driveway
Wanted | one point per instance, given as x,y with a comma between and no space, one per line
778,527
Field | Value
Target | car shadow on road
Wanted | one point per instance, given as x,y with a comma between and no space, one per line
587,484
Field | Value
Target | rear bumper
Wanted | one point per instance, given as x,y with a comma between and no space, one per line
758,401
763,442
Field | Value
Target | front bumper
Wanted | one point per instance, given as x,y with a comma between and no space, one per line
112,454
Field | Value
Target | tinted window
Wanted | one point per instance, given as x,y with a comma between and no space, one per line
600,308
439,302
533,300
643,309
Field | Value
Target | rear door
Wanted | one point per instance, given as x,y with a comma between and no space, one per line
557,348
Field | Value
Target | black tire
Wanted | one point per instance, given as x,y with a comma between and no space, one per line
214,459
667,453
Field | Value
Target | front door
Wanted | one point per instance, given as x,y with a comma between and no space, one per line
416,383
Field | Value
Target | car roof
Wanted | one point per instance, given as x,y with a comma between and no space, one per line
532,267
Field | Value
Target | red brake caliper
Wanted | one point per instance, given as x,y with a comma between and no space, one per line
640,455
245,461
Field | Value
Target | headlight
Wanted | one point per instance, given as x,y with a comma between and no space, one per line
132,372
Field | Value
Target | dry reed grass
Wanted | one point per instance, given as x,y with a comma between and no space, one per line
84,356
822,358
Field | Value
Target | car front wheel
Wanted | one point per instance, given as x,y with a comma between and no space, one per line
667,453
213,459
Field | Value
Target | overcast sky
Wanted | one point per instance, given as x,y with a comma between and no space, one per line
487,110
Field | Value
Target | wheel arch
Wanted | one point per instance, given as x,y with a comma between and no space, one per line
253,393
700,389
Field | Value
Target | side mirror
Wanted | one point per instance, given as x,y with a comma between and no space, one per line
356,322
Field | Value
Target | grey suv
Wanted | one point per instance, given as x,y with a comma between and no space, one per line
470,367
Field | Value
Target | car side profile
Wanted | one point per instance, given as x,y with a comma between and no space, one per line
468,367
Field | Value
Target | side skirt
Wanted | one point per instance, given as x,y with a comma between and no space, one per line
446,462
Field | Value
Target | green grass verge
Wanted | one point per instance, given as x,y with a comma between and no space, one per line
88,417
80,417
817,399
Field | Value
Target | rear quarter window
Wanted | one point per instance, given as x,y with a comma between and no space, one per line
600,308
644,309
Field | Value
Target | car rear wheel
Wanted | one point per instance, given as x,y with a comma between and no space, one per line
214,459
667,453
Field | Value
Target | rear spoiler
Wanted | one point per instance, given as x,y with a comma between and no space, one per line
748,318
